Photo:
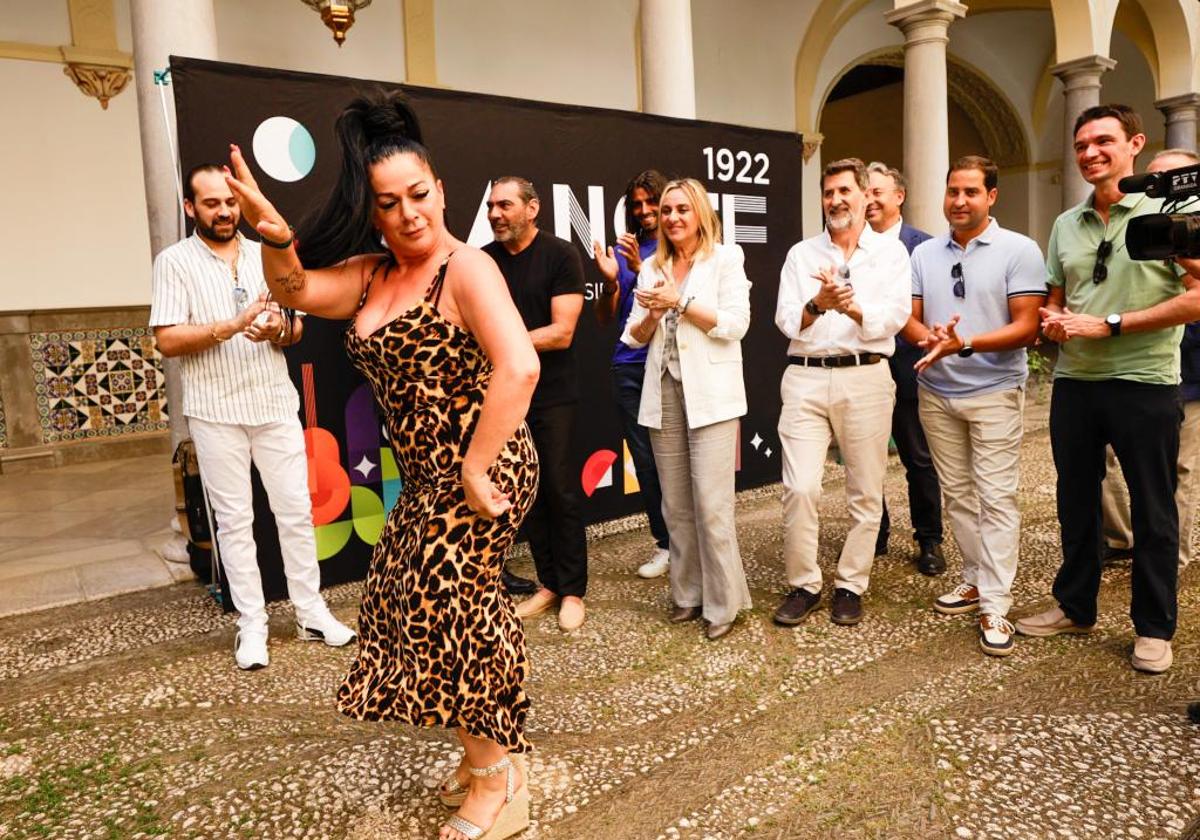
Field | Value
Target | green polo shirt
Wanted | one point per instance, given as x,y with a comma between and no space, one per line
1151,357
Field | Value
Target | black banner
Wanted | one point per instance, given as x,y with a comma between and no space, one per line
580,160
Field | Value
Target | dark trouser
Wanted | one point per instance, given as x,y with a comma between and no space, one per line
924,492
554,524
627,390
1142,424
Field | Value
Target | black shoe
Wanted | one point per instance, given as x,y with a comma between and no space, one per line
517,585
1194,712
1112,556
847,607
881,542
797,604
930,560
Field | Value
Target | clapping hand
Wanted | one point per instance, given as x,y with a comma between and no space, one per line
941,342
657,300
1065,325
833,295
267,324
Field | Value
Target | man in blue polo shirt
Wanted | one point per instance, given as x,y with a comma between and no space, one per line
976,295
620,270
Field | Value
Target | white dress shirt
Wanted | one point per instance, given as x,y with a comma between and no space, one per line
894,230
882,279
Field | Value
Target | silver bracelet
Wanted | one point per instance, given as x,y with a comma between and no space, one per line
686,304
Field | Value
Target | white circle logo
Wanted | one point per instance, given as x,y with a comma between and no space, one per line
284,148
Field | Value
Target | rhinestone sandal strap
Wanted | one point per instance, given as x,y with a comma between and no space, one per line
493,769
465,827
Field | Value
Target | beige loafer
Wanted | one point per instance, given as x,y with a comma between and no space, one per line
1151,656
1052,622
571,613
536,603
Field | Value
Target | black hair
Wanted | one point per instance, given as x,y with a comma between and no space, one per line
652,181
189,187
372,128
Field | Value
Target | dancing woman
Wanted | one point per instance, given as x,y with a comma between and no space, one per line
435,332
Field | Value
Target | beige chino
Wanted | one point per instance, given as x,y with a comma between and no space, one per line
852,405
976,447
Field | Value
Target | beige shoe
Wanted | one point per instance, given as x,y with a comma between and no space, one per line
1052,622
538,602
571,613
1152,656
514,815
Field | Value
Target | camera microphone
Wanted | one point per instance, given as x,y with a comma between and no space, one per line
1147,183
1173,183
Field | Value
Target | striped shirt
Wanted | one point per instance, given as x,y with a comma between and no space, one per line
238,381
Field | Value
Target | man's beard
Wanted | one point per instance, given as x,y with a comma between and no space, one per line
212,234
839,221
512,232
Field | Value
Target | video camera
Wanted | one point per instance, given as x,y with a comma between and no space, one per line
1168,234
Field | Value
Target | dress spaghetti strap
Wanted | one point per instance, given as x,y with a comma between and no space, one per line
435,288
387,260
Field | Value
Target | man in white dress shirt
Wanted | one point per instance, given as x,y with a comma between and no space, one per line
843,296
209,307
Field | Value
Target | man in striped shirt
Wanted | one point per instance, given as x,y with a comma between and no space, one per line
210,308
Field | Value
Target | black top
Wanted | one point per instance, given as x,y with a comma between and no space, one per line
549,266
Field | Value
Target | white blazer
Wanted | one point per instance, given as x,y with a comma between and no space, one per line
710,363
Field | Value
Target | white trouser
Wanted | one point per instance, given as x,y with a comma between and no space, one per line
853,406
225,451
976,447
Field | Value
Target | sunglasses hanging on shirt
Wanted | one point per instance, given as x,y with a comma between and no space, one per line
960,283
1100,270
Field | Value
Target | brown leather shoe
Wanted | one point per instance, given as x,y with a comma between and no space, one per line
847,607
536,603
798,604
681,615
716,631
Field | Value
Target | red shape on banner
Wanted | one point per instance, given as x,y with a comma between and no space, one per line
328,482
597,472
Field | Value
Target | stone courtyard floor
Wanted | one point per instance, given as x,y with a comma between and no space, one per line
126,718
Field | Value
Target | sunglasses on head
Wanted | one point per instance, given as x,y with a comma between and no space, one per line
960,285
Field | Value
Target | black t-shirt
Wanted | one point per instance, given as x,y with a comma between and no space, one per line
548,267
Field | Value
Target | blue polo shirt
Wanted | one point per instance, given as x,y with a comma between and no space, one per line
623,355
997,265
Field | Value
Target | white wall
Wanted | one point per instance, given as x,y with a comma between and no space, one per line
572,51
287,35
73,228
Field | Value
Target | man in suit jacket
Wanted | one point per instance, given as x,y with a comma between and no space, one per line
885,198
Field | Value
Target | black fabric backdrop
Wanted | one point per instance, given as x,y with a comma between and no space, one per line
473,138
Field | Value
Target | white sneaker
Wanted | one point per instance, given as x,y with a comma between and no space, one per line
250,650
657,565
325,629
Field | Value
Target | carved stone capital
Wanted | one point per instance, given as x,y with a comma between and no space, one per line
98,81
809,145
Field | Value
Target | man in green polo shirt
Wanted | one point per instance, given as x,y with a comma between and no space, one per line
1118,323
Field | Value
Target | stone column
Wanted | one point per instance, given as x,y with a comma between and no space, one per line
1081,90
668,74
926,25
162,28
1181,113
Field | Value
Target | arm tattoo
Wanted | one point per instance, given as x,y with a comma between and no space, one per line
293,281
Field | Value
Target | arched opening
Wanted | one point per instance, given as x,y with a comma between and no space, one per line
863,116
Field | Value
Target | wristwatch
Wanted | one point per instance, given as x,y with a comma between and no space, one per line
967,350
1114,323
812,309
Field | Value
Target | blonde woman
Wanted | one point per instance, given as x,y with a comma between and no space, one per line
692,307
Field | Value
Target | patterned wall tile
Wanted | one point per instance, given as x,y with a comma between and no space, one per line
98,383
3,427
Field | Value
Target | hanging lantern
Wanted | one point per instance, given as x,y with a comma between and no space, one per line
338,15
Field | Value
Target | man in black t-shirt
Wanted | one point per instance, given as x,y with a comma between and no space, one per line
545,277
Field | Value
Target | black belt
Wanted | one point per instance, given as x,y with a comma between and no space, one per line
851,360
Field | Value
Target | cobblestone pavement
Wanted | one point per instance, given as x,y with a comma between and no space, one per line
126,718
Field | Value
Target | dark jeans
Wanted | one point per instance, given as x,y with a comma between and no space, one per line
627,390
554,525
1142,424
924,492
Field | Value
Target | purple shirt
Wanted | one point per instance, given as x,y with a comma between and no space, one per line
627,279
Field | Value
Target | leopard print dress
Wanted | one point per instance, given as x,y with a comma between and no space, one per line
439,641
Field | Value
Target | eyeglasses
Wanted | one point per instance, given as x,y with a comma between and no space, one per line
1100,270
960,283
844,274
240,297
